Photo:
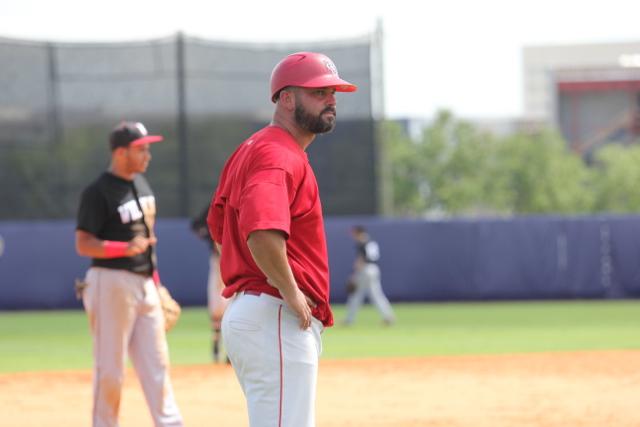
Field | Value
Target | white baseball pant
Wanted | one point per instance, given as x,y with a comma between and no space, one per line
368,284
275,361
125,318
216,303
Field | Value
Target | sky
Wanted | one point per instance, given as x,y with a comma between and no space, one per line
462,55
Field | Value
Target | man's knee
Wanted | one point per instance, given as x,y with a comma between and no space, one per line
110,390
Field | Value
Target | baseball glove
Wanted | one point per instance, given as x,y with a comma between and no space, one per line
79,286
170,308
351,287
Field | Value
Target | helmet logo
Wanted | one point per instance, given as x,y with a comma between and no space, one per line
331,67
141,129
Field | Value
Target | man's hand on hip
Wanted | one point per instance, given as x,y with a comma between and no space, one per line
269,251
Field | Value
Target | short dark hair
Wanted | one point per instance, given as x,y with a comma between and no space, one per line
276,96
359,229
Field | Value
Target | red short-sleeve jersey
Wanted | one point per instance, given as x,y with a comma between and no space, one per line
268,184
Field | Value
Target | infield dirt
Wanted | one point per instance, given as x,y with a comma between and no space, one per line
594,389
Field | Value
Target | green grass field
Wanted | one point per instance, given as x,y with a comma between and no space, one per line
57,340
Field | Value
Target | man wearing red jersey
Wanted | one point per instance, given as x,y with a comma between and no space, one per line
266,218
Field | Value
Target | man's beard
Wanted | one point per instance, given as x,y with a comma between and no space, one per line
314,124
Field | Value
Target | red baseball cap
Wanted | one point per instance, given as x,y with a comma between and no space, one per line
130,134
307,69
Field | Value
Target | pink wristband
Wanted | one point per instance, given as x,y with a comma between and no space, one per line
156,277
114,249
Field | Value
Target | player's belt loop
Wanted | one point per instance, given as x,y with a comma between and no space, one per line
254,293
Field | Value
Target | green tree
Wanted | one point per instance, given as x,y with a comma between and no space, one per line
457,169
405,169
617,178
543,176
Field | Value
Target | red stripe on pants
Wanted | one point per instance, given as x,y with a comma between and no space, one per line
281,363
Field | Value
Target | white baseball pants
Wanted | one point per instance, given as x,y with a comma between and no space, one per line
125,318
216,303
275,361
367,282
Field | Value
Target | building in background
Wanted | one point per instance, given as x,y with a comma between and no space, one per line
590,92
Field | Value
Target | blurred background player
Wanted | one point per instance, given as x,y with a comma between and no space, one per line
116,230
216,303
366,278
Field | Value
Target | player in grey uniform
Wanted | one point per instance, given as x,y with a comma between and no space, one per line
366,277
115,229
216,303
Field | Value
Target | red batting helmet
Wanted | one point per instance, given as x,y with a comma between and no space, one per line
307,69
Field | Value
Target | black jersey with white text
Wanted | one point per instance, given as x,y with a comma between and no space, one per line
109,210
369,251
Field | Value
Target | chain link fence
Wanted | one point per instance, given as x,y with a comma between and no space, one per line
59,101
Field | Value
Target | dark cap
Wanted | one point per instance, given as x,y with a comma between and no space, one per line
358,229
130,134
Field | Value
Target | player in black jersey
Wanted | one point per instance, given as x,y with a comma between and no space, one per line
366,277
115,229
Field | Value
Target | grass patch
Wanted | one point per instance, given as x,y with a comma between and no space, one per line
489,328
56,340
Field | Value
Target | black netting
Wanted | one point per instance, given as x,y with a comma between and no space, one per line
59,101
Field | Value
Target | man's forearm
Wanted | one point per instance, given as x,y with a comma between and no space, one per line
89,245
269,251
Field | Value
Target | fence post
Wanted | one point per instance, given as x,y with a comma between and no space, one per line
182,132
53,97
